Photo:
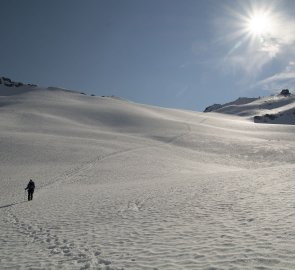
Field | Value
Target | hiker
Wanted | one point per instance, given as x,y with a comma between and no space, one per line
30,187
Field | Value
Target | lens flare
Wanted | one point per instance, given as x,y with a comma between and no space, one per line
260,24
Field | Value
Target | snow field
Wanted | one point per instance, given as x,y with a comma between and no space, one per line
129,186
223,221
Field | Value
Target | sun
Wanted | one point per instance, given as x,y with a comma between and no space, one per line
260,24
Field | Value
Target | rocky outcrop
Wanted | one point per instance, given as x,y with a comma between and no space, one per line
237,102
285,93
213,108
9,83
265,118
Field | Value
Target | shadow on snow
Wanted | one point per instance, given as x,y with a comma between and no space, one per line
12,204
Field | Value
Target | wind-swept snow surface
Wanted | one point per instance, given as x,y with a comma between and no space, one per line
128,186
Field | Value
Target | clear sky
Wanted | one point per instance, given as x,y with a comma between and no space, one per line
173,53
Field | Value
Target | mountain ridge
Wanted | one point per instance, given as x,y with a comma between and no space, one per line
274,109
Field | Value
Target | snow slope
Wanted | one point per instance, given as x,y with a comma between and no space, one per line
122,185
276,109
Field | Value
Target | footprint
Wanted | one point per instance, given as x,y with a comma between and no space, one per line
105,262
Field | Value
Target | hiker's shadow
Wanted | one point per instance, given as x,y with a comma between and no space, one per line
12,204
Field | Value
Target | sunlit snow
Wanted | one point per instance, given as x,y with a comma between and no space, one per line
122,185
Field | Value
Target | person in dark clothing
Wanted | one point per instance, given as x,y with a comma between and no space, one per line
30,187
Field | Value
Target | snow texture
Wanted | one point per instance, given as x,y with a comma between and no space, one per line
122,185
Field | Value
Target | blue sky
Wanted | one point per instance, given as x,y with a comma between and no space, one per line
173,53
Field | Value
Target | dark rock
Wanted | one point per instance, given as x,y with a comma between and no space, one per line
213,107
285,92
264,118
270,116
18,84
257,118
6,79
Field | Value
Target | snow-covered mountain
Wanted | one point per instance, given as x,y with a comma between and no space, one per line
275,109
121,185
238,102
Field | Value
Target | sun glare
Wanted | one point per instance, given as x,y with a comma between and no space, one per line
260,24
259,30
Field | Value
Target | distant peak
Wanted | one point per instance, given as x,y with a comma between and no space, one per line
238,101
275,109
